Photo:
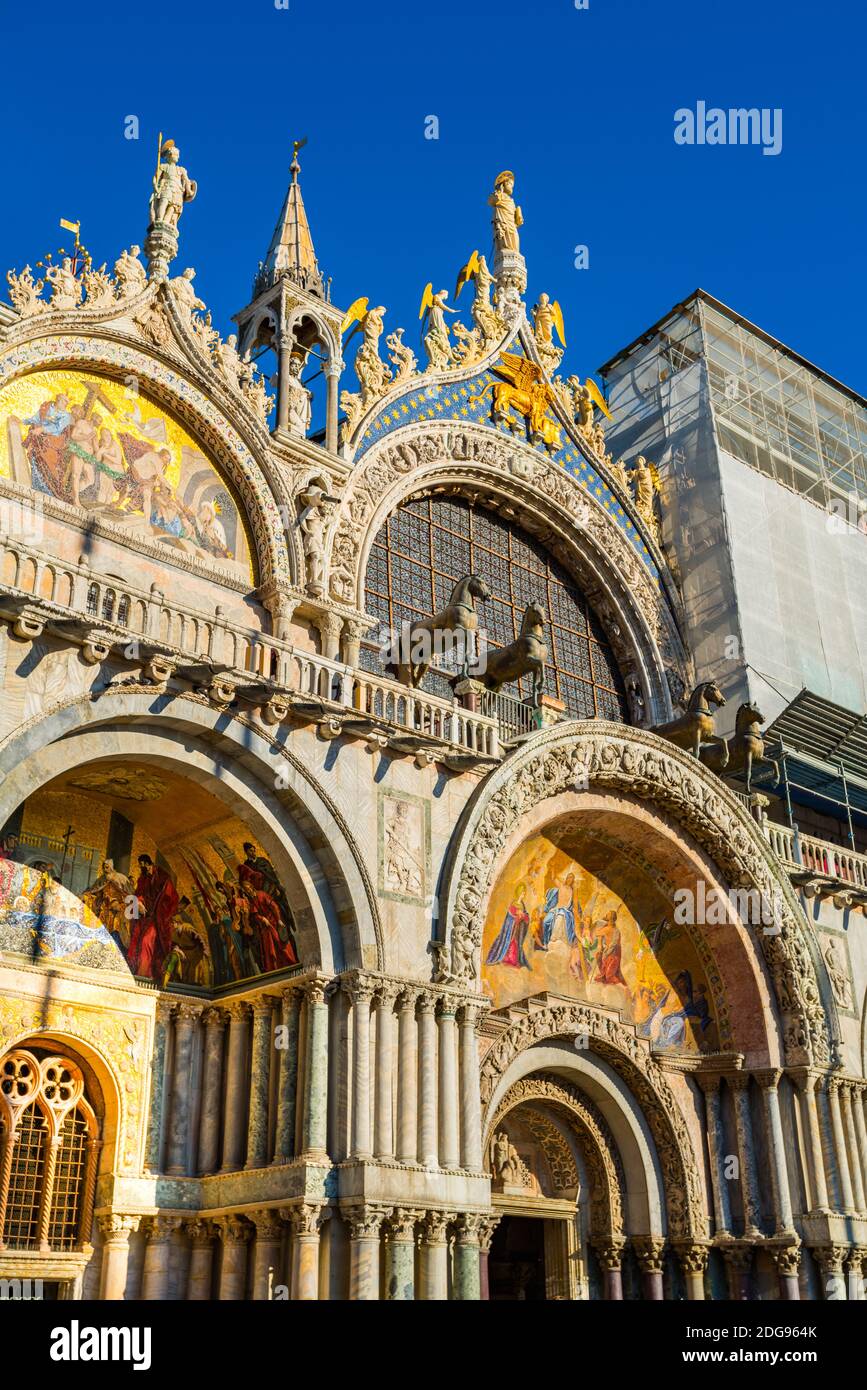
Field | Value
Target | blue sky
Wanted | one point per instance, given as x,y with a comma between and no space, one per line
579,103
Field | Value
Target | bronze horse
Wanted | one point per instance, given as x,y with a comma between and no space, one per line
694,729
746,747
459,615
523,657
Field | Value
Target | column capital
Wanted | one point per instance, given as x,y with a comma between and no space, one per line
693,1256
472,1013
650,1253
117,1225
468,1228
739,1081
401,1224
233,1229
267,1223
488,1225
427,1002
188,1012
738,1254
304,1219
435,1225
786,1258
364,1221
830,1257
262,1005
200,1231
708,1081
214,1019
358,990
238,1011
386,993
805,1078
609,1250
160,1229
856,1258
314,991
165,1009
768,1078
407,999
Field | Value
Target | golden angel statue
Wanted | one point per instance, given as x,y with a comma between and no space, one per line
547,317
488,322
373,375
436,339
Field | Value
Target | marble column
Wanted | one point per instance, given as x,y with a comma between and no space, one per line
155,1271
116,1229
332,377
609,1253
361,993
181,1097
739,1263
266,1253
260,1074
236,1085
713,1122
807,1083
435,1257
200,1272
284,380
383,1128
855,1274
486,1235
787,1260
450,1155
306,1223
693,1263
860,1129
400,1255
233,1270
830,1261
314,1117
649,1251
834,1086
471,1104
212,1091
852,1144
287,1082
407,1077
739,1082
467,1280
365,1224
783,1219
428,1150
159,1087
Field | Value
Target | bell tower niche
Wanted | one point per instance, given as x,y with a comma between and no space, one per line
291,314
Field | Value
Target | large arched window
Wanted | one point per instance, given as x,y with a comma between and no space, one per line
430,543
49,1150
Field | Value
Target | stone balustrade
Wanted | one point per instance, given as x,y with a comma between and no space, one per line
819,856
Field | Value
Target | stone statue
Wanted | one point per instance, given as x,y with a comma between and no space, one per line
130,274
507,218
373,375
173,187
99,288
314,503
229,361
505,1161
635,700
65,288
546,317
300,399
403,357
838,974
646,481
485,317
184,295
254,389
436,338
24,292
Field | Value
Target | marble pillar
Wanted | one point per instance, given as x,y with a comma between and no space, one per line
306,1222
830,1260
399,1282
807,1083
857,1098
155,1271
236,1087
212,1091
609,1253
738,1259
234,1234
365,1225
487,1228
449,1154
266,1253
710,1085
287,1082
159,1084
467,1278
314,1115
739,1082
200,1271
186,1016
787,1261
852,1149
435,1257
260,1075
428,1148
649,1251
834,1087
361,993
383,1127
332,378
855,1274
471,1106
783,1219
116,1228
407,1077
693,1263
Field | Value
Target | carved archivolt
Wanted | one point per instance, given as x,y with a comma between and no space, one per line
525,485
632,1059
598,1148
612,757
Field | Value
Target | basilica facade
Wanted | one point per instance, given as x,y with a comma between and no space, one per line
386,910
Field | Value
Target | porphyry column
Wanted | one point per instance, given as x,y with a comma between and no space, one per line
649,1253
609,1253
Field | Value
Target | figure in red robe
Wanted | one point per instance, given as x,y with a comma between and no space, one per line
151,937
608,961
258,876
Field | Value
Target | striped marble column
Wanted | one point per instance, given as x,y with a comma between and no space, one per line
212,1090
852,1144
314,1123
306,1223
383,1124
260,1079
450,1156
783,1219
739,1082
236,1086
361,993
287,1081
435,1257
428,1149
710,1086
186,1017
471,1103
834,1086
807,1083
365,1225
407,1077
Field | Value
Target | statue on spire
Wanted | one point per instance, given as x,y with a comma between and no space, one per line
173,187
507,217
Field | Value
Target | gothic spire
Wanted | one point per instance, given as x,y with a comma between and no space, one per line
291,251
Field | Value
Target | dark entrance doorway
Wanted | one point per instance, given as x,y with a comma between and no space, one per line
516,1265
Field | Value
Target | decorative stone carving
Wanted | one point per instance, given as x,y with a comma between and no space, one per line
65,287
24,292
838,973
130,275
403,357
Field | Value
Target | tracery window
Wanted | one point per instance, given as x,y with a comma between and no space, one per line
49,1151
428,544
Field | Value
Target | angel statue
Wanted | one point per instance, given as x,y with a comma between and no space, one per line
373,375
506,217
488,322
436,338
547,317
647,486
172,187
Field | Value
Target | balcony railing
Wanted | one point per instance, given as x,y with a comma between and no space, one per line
818,856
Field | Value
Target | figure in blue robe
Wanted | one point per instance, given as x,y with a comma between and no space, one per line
559,903
508,948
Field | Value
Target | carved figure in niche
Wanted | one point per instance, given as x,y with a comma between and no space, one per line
838,974
403,869
300,399
505,1161
314,501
